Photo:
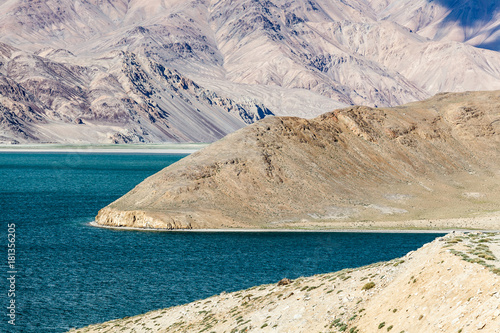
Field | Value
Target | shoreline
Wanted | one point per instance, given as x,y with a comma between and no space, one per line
102,151
340,230
168,148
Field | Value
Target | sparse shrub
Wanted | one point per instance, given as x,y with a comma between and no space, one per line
477,261
398,263
368,286
382,324
486,256
389,328
484,240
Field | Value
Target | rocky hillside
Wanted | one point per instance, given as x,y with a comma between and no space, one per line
433,159
120,98
449,285
177,71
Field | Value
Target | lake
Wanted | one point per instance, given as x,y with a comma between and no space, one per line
69,274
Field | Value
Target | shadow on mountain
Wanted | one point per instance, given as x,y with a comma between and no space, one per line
493,45
471,14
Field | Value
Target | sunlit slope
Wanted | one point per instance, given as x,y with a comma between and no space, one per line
432,159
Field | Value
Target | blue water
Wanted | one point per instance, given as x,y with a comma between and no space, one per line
70,274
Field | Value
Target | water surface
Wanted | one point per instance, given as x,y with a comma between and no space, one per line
71,274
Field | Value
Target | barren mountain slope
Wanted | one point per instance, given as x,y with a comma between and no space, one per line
445,286
474,22
120,97
433,159
296,58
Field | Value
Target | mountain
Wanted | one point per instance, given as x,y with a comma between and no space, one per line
184,71
474,22
119,98
436,159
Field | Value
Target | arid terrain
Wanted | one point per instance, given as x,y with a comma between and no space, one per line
132,71
432,163
449,285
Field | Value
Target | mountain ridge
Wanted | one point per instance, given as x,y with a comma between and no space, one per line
289,58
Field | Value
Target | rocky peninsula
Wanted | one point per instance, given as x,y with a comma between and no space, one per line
429,164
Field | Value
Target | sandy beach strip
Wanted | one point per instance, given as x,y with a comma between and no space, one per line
102,151
105,149
344,230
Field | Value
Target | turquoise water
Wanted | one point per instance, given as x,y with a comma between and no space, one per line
70,274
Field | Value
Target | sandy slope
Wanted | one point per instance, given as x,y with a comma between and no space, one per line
449,285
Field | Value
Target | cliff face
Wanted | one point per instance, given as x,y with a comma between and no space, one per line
445,286
432,159
126,98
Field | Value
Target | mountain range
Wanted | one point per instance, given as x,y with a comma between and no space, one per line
100,71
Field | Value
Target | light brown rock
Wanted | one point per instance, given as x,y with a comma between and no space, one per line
418,162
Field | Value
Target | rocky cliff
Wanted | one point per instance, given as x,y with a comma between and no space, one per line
427,160
125,98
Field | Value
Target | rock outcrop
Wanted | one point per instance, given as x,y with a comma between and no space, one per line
126,99
450,285
427,160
